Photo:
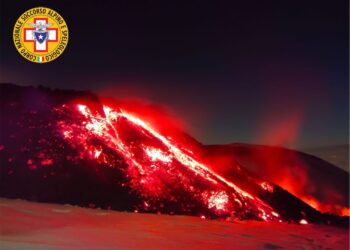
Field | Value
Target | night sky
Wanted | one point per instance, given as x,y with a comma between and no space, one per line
264,72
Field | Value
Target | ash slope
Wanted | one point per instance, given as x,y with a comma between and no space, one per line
28,135
28,225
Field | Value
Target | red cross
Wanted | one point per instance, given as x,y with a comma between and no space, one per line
31,38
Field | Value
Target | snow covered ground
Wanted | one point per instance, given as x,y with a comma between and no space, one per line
30,225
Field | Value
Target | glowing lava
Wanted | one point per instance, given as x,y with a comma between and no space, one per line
303,222
158,168
218,200
157,155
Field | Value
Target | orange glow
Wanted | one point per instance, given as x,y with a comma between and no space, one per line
285,168
326,208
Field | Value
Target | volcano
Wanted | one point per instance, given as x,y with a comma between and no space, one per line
75,147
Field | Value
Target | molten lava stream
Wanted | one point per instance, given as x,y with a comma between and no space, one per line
158,167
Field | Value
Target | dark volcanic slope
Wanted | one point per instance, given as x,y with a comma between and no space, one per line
68,147
335,154
302,174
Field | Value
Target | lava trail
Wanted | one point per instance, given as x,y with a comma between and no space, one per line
158,168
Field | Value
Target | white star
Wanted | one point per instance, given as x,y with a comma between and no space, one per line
40,37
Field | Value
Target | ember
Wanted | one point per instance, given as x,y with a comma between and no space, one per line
218,201
303,222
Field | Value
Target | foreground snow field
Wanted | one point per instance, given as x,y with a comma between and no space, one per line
29,225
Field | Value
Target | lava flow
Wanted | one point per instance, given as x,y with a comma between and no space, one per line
76,148
159,169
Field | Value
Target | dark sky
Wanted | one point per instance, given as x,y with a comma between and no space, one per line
261,72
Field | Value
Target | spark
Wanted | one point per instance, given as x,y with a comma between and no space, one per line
97,153
266,186
303,222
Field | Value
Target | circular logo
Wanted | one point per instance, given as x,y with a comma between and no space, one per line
40,35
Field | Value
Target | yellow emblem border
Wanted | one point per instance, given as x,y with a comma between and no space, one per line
62,33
